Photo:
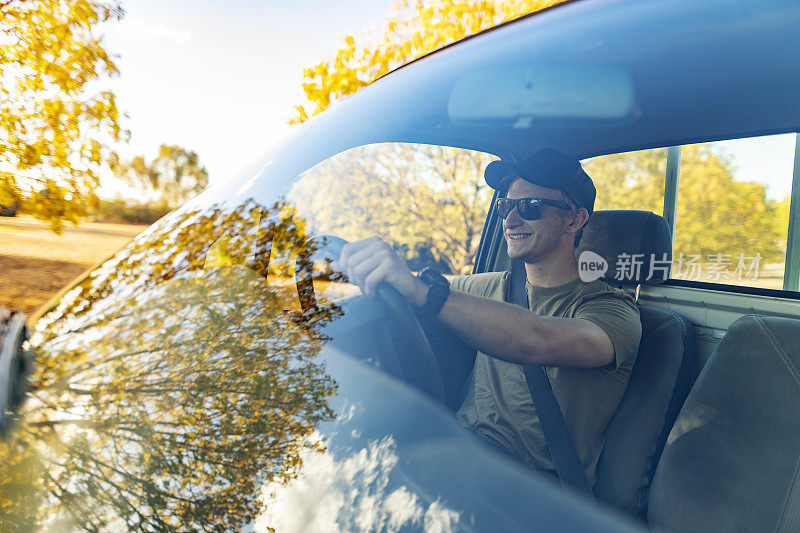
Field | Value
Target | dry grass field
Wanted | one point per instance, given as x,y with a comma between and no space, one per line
35,263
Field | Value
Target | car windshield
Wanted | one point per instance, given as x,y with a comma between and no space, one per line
429,201
204,358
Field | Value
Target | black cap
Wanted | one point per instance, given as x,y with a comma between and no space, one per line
546,168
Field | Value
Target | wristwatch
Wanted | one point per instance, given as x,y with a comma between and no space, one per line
439,290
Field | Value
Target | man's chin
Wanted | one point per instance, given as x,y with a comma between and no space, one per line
526,255
515,254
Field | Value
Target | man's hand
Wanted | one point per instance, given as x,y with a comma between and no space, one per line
371,261
500,329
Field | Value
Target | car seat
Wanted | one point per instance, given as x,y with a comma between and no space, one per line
732,461
661,376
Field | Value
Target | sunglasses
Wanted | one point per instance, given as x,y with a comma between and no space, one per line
528,208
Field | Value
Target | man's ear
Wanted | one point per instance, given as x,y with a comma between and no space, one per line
579,220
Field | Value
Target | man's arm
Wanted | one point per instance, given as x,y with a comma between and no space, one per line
506,331
512,333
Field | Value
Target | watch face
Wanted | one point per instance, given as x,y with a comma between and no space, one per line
431,276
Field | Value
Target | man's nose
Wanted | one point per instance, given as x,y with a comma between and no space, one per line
514,218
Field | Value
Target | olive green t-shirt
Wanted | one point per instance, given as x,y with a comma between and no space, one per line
498,403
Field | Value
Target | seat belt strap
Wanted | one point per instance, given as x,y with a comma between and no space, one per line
559,441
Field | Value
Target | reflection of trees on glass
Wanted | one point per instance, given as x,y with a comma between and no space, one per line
430,201
168,403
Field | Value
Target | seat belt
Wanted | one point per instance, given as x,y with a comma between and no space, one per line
559,441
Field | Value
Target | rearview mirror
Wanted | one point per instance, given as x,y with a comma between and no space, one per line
526,94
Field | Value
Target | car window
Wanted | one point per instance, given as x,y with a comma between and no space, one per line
429,202
733,211
629,180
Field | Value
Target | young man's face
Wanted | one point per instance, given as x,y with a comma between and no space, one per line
533,240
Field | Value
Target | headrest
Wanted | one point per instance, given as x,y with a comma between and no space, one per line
625,248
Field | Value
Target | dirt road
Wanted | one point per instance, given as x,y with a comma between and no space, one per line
35,263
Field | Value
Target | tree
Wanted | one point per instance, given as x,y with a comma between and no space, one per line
170,179
54,130
716,213
719,215
414,29
631,180
782,218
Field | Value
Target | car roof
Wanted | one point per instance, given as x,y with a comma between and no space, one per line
474,35
701,70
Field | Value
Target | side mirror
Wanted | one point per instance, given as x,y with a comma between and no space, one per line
14,364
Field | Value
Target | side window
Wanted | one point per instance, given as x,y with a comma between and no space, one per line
733,211
429,202
629,180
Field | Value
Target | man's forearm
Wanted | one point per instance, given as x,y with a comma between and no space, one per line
499,329
515,334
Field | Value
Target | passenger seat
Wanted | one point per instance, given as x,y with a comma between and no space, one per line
732,460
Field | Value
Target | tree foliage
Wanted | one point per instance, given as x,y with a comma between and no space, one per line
717,214
171,178
631,180
415,28
720,215
54,127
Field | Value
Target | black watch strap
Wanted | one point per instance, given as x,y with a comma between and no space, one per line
438,292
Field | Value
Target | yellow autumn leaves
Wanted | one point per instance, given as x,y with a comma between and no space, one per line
414,29
55,130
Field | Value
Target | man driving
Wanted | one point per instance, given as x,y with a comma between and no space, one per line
585,334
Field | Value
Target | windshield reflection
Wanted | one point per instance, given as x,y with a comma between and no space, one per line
173,383
353,492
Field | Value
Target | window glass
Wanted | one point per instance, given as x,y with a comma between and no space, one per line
629,180
733,211
429,202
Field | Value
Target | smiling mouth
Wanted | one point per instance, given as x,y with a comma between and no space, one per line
519,236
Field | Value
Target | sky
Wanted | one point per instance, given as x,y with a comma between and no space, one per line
222,78
768,160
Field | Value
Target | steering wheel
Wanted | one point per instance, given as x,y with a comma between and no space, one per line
423,360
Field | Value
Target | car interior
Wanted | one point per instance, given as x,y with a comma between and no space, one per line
708,433
704,439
